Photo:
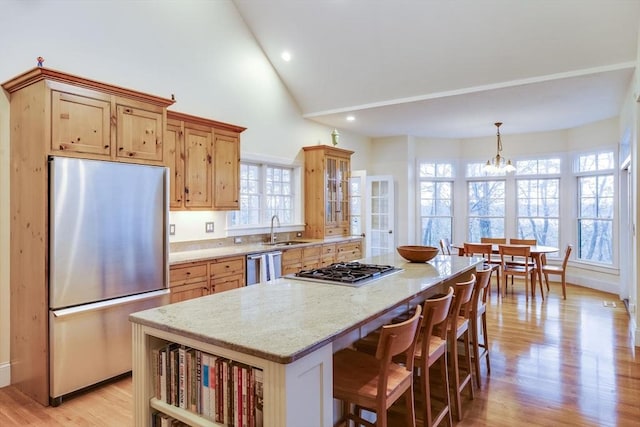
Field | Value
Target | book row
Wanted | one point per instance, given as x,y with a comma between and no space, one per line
219,389
158,419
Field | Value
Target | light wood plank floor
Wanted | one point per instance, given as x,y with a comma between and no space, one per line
553,363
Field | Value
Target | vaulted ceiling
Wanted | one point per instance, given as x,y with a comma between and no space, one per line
450,69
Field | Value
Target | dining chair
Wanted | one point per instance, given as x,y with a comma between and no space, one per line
478,318
558,270
515,262
495,259
430,349
458,330
528,242
445,246
375,382
485,250
494,240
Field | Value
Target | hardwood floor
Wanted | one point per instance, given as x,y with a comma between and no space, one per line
553,363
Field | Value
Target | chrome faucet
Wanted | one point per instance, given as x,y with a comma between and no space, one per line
273,235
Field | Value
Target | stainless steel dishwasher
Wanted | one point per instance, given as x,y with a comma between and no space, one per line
263,267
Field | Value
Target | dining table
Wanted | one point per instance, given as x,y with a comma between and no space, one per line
536,252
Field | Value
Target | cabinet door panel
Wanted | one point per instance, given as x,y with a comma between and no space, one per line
173,159
226,171
197,168
80,124
139,133
185,292
227,283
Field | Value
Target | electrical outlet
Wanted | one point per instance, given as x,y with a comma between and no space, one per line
208,227
237,240
299,234
172,229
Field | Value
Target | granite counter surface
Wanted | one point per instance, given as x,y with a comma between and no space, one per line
286,319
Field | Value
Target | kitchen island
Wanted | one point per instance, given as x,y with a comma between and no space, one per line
288,329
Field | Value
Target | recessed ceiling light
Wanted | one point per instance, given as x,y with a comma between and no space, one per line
350,118
286,56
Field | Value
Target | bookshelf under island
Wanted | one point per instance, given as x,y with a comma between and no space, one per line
285,332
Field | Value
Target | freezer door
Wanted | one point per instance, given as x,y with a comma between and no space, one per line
108,235
92,343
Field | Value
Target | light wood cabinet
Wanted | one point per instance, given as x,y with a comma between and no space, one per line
95,124
326,206
226,169
328,256
81,123
139,130
349,250
196,279
198,148
203,156
291,261
188,281
227,273
55,113
322,255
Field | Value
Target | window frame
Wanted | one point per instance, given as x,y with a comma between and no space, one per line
578,176
436,179
297,223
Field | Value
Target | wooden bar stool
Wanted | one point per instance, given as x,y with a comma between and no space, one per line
458,329
376,382
478,318
431,349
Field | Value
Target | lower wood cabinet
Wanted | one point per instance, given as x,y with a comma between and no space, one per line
188,281
197,279
348,250
227,273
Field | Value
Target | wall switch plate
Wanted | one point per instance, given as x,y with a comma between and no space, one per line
237,240
172,229
208,227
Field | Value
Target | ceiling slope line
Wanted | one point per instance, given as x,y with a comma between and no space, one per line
476,89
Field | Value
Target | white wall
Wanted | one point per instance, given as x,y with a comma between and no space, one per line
200,51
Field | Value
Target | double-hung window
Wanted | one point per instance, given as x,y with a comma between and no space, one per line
436,202
538,200
265,190
596,198
486,203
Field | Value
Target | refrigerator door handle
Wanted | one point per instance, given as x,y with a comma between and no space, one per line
109,303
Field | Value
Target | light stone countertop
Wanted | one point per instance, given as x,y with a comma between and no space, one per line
286,319
180,257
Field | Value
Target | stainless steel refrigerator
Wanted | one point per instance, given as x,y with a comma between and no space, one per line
107,259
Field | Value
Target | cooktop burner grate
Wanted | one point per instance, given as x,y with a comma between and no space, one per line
346,272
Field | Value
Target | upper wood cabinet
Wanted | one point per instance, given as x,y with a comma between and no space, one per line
203,156
90,119
81,123
139,132
226,170
326,203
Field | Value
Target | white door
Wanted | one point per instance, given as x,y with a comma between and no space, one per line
357,189
379,234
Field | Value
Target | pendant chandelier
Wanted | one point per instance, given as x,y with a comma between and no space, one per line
498,164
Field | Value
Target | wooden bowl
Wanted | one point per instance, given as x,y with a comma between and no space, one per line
417,253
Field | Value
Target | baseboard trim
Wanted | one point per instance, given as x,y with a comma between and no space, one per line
5,374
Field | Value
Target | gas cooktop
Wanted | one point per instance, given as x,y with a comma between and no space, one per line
346,273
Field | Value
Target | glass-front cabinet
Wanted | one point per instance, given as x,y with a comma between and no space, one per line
327,172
